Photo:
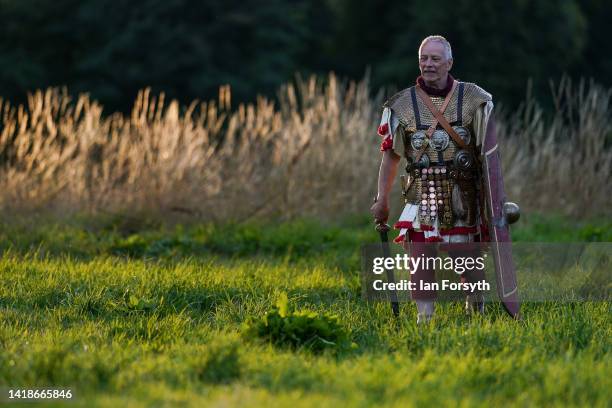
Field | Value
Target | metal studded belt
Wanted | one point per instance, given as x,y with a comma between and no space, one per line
434,195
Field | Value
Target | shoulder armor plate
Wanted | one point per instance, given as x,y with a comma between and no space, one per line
402,106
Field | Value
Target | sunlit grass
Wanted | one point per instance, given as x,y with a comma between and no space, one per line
148,327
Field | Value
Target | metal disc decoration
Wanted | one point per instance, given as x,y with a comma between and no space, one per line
463,133
463,159
424,161
417,139
439,140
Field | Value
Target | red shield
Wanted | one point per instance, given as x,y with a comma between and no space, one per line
499,234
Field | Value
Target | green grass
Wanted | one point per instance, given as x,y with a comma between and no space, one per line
144,315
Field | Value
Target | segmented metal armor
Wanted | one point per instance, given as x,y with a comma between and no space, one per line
444,182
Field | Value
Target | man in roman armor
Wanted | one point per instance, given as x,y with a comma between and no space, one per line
438,125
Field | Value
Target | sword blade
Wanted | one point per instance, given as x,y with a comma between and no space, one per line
386,250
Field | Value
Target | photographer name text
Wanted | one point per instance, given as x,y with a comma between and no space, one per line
445,284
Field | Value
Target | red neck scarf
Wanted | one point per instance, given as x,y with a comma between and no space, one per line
434,91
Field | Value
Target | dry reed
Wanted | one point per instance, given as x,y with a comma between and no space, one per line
313,153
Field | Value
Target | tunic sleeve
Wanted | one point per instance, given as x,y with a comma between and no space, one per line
481,119
388,131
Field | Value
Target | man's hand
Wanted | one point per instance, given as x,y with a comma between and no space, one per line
380,211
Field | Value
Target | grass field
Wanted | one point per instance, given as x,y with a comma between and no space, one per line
127,312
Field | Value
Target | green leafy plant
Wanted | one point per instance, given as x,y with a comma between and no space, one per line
306,329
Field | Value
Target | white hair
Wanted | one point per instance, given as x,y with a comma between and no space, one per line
440,39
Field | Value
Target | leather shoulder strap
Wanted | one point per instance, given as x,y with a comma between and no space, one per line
439,116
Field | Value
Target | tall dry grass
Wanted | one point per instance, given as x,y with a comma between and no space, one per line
562,164
313,153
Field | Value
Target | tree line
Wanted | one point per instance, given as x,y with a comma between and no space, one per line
188,48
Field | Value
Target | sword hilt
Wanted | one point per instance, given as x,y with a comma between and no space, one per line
382,227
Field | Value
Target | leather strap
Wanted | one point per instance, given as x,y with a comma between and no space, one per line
432,128
439,116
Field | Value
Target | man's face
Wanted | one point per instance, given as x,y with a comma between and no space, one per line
433,63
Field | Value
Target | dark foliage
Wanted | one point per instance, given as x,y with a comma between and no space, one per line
188,48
